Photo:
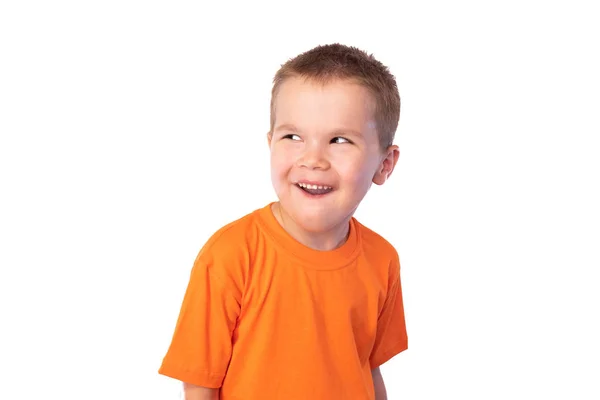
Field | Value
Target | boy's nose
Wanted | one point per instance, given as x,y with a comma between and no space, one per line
313,158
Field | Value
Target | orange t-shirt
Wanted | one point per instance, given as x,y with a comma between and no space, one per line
265,317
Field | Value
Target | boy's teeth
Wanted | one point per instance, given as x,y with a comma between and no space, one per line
307,186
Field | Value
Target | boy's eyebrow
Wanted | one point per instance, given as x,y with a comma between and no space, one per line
292,128
287,127
350,132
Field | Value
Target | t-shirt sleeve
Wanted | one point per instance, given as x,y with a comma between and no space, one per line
391,337
201,347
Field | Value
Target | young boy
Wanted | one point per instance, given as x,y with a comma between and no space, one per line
298,300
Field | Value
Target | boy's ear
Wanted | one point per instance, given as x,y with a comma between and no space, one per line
269,137
387,165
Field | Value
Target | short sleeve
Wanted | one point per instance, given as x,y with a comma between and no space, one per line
391,338
201,347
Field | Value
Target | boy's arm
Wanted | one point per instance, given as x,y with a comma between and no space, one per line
193,392
380,392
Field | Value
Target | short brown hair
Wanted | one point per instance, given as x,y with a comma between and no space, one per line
336,61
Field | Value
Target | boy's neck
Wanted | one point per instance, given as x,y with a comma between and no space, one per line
323,241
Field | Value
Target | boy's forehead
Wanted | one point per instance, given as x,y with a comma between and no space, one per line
296,86
336,102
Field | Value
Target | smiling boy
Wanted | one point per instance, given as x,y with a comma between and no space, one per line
298,300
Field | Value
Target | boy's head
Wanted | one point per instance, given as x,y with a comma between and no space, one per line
325,64
334,113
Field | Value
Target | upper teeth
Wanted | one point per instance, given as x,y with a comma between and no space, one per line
307,186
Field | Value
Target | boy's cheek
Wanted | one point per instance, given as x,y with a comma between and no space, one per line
350,169
283,159
276,159
278,164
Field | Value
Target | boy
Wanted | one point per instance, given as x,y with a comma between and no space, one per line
298,300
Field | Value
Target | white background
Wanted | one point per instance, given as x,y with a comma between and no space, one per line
131,131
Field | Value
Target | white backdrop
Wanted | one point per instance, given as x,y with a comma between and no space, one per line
131,131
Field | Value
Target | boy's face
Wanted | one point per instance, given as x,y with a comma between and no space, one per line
325,137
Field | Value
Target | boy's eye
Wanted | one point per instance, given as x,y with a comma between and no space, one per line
292,136
340,139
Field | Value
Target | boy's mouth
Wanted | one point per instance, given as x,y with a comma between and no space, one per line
314,190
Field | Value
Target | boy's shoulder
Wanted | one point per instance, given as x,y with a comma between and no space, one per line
371,236
232,237
229,251
374,243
